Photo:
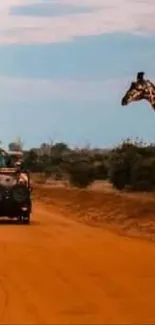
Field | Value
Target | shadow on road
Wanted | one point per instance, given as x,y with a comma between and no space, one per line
8,222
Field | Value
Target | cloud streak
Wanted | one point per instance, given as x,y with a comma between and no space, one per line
49,9
112,16
46,90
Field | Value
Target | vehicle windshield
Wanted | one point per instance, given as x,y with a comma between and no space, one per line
3,162
10,160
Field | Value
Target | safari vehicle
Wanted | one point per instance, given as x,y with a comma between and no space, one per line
15,188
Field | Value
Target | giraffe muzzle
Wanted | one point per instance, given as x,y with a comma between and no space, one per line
124,101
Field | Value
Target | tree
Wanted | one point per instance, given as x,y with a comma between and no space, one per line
59,148
31,161
120,164
16,145
143,174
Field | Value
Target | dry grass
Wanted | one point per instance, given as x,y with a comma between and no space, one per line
131,213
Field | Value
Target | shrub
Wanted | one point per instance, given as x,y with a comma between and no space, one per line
100,170
120,165
143,174
119,174
81,174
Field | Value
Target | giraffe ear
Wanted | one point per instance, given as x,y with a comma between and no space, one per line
140,76
133,85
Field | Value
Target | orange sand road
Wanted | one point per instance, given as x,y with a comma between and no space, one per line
57,271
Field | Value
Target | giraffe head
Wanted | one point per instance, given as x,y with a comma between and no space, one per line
140,89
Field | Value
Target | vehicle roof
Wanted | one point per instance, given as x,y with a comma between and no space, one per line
19,153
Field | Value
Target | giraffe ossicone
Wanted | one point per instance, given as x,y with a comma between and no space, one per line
140,89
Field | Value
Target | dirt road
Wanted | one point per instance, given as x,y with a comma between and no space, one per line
57,271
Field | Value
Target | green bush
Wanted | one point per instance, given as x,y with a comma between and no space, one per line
133,166
119,173
81,174
100,170
120,165
130,165
143,174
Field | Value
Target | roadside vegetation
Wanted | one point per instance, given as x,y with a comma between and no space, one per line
129,166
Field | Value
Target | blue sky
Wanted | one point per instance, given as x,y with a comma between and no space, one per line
64,65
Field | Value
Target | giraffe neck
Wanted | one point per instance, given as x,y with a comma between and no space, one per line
153,105
151,94
152,99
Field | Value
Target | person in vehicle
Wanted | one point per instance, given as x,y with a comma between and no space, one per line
3,162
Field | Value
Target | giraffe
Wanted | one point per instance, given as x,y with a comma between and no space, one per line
140,89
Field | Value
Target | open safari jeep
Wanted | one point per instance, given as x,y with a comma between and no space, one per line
15,188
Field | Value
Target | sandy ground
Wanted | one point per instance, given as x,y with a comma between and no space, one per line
60,271
127,213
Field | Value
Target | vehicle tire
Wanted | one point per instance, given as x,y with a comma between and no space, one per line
2,191
24,219
19,220
20,193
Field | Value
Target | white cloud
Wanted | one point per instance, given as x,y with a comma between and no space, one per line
134,16
24,90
